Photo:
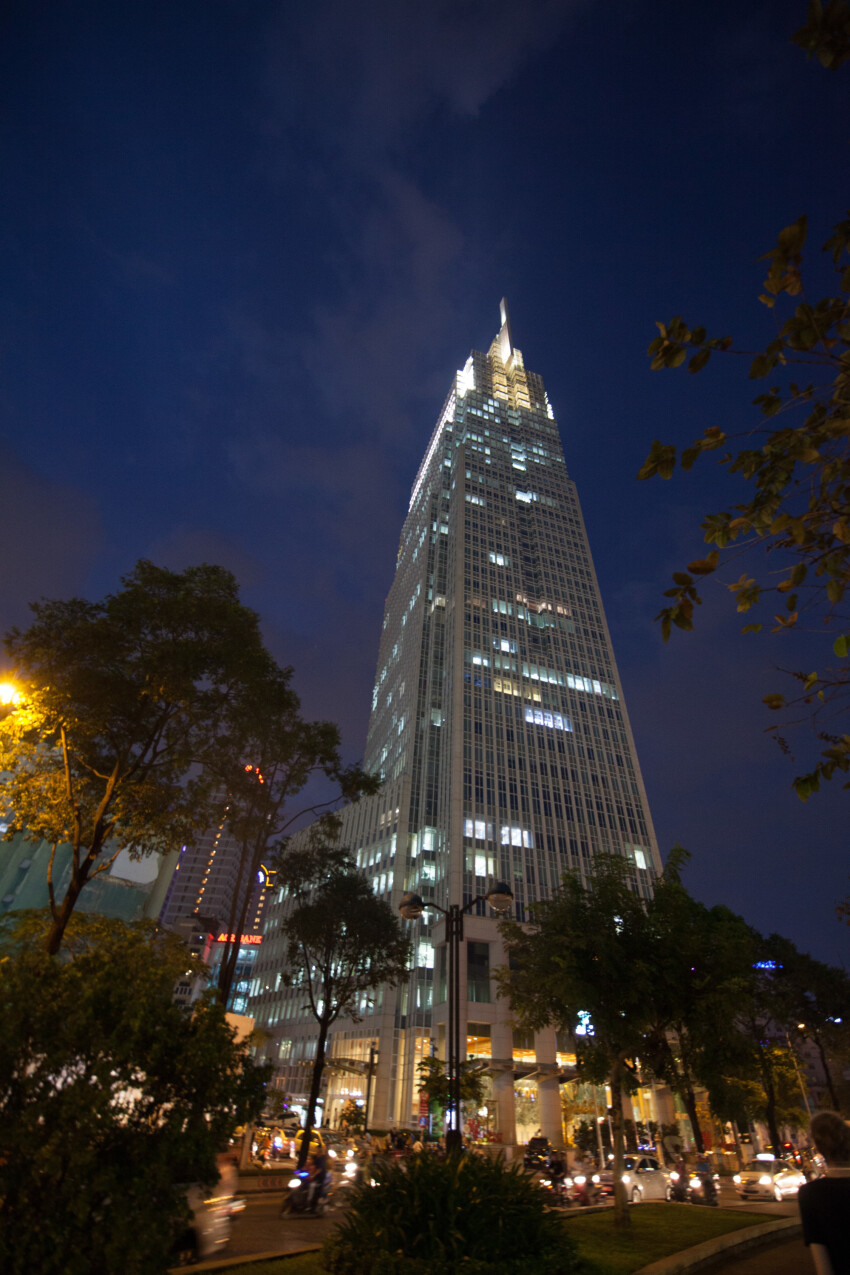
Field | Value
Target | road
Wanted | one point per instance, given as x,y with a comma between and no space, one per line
260,1229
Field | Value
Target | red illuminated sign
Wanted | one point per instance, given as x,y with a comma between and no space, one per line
246,940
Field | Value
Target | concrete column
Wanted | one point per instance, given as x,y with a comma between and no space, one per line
549,1100
665,1110
501,1043
381,1099
548,1089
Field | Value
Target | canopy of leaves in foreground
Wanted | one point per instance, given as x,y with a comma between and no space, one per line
439,1217
110,1096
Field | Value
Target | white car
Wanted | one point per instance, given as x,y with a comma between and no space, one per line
768,1178
643,1178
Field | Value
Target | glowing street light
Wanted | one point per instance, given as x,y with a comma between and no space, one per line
9,694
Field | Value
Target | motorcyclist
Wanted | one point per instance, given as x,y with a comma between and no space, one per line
679,1180
317,1181
706,1177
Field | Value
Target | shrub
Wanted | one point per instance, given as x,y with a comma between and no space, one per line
428,1216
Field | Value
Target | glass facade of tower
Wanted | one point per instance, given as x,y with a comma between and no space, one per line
499,727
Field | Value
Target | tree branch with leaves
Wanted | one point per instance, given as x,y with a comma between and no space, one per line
798,510
118,703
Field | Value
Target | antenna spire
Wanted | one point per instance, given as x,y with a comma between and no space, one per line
506,345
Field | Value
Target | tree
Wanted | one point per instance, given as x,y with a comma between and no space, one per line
264,757
702,963
809,1000
434,1083
797,509
110,1095
120,700
587,951
342,944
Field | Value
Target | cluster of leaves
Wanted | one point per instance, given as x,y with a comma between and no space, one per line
141,715
440,1217
434,1082
799,472
111,1095
588,949
826,33
692,994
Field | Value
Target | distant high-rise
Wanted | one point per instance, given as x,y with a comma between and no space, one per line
499,727
208,881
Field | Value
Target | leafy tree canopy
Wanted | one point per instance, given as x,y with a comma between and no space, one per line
110,1096
588,949
434,1082
343,943
120,702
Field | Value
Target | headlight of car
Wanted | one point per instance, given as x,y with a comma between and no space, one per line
625,1179
595,1178
765,1180
737,1179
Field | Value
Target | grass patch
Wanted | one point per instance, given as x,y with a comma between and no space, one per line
298,1264
657,1230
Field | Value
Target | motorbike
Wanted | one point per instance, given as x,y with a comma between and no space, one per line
304,1196
350,1168
702,1189
678,1189
558,1188
586,1190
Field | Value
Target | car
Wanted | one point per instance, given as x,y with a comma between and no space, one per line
769,1177
317,1142
643,1178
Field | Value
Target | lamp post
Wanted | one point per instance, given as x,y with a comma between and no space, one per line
412,905
800,1082
373,1058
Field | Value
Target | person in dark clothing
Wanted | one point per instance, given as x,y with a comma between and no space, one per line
825,1203
318,1165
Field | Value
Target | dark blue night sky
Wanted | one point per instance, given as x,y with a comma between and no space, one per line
245,245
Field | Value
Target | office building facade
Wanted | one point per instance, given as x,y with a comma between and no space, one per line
499,728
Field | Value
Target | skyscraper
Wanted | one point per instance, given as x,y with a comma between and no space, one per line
499,728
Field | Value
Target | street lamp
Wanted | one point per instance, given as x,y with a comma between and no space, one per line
411,907
9,693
